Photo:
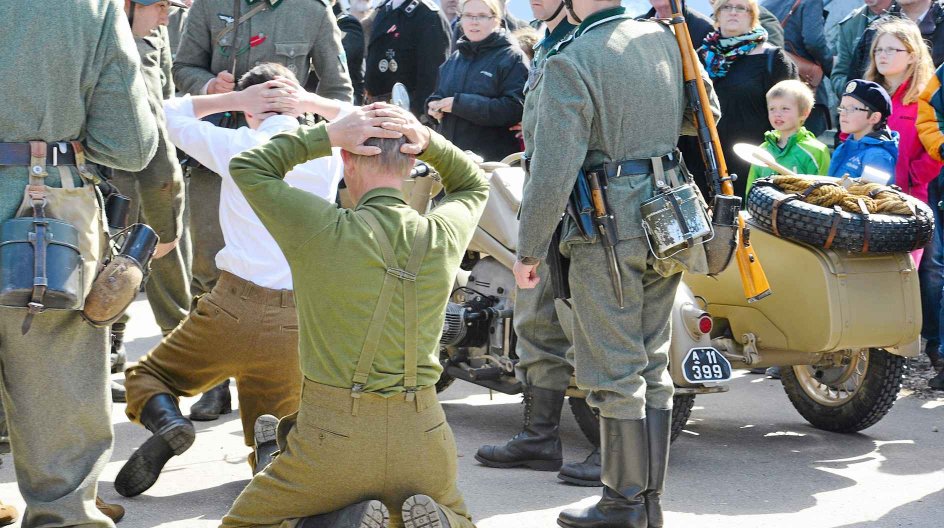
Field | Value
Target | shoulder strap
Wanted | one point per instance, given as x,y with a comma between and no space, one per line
408,277
790,13
242,19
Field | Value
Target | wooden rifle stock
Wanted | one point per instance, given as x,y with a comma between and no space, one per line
752,273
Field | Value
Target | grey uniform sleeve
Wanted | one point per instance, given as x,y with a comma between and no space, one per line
120,130
329,62
167,64
561,139
195,53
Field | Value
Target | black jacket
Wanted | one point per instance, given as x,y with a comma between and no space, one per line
407,45
353,43
487,81
932,29
699,25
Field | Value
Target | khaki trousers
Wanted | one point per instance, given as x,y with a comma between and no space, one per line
239,330
330,458
55,393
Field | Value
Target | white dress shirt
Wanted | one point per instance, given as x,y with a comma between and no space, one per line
250,251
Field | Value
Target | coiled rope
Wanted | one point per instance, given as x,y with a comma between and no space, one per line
859,197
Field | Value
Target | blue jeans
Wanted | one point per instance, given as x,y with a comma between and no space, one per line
931,273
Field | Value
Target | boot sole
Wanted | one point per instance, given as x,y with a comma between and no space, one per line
537,465
580,482
420,511
141,471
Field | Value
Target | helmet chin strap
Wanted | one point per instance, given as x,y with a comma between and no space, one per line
570,9
556,12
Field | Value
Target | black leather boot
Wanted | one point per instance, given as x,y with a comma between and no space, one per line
173,434
421,511
937,382
538,446
659,427
212,404
366,514
625,476
118,392
586,473
265,433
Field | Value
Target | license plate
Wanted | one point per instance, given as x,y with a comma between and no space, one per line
705,364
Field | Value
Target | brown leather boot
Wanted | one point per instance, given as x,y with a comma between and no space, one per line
115,512
8,514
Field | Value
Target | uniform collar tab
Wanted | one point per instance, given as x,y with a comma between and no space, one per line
599,17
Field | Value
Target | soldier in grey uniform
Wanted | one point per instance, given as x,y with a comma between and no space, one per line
175,26
72,69
157,193
302,35
621,354
544,347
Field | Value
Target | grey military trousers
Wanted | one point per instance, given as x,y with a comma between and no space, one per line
543,327
202,221
55,393
621,355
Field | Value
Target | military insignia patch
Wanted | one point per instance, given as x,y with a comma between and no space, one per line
225,18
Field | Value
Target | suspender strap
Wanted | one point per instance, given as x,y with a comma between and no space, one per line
408,278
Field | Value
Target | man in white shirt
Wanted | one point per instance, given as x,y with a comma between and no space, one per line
246,327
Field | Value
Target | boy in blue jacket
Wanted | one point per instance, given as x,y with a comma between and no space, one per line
863,114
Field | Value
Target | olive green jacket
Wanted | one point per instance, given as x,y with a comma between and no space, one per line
300,34
615,92
71,72
161,184
337,266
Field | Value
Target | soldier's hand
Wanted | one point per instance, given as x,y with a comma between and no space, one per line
350,132
416,133
526,275
224,82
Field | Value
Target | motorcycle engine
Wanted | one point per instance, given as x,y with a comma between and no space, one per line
479,310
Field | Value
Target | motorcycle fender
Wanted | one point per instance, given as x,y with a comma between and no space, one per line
684,334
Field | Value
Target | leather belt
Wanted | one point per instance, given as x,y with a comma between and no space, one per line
615,169
19,154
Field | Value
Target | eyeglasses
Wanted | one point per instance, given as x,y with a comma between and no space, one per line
728,8
850,109
888,51
476,18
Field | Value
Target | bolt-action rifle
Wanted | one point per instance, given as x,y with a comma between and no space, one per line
727,219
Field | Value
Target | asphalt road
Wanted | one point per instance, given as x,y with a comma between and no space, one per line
746,459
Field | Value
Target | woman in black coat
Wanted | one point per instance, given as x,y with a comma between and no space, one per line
743,66
480,93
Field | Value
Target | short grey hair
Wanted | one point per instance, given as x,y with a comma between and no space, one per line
389,161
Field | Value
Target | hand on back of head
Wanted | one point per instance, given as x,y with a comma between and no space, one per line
280,96
378,120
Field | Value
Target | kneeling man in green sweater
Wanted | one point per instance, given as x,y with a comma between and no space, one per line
370,445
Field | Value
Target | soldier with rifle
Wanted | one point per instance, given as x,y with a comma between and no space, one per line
621,302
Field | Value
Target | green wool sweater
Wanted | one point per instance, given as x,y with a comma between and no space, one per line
803,154
337,266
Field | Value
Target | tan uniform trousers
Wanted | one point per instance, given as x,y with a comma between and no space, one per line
330,458
239,330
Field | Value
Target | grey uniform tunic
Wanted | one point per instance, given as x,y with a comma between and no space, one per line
70,72
615,93
543,326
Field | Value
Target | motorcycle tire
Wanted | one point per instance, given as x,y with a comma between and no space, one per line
868,404
811,224
588,419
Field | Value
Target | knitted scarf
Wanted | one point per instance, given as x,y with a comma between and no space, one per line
719,53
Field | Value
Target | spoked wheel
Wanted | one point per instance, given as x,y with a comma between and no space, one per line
588,419
846,398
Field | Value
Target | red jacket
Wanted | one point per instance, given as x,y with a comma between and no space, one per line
915,168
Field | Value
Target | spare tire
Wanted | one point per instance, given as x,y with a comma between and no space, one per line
812,224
